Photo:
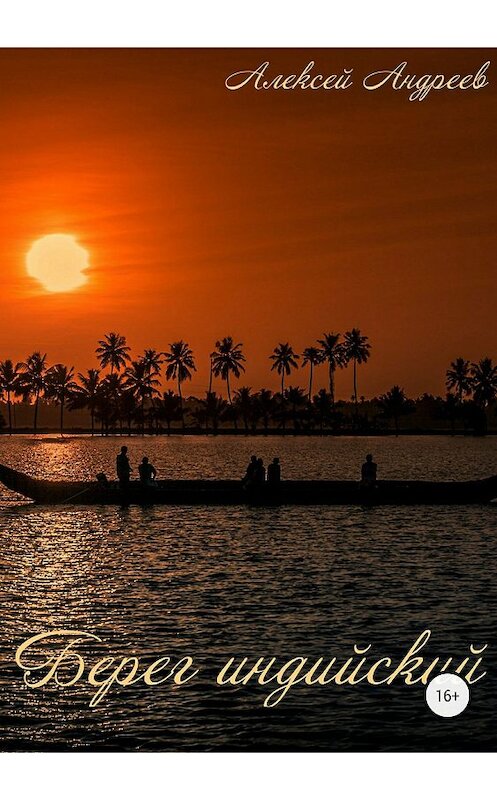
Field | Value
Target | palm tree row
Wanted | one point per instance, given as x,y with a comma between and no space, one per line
139,379
32,379
476,379
331,349
127,391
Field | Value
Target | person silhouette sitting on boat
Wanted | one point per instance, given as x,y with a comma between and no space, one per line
250,472
123,468
368,472
260,472
148,473
274,471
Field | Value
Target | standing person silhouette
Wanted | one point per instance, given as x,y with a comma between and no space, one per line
123,468
250,472
368,472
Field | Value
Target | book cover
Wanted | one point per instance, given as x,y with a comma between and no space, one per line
248,400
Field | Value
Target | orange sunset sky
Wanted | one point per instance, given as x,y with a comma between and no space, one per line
269,216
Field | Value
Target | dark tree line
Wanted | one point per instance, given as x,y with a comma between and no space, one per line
124,394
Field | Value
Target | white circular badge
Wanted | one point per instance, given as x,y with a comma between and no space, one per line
447,695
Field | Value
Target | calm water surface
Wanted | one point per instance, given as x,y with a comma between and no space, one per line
215,582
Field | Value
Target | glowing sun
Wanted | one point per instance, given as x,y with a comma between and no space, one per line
58,262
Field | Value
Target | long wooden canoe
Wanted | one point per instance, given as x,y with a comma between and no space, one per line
225,492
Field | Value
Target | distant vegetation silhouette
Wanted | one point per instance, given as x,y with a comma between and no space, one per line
126,395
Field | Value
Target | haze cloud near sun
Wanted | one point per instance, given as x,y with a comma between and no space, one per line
269,217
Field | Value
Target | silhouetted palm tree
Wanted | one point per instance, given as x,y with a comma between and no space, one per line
32,381
180,363
449,408
226,360
127,408
153,361
60,387
142,383
323,405
169,409
153,415
395,404
357,349
284,361
484,381
244,402
9,384
312,356
211,368
458,377
109,399
296,398
212,408
113,351
86,394
334,353
265,405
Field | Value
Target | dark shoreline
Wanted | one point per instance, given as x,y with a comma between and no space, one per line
243,433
